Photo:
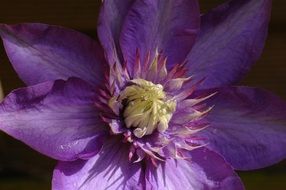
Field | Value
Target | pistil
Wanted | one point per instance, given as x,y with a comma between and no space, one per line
146,107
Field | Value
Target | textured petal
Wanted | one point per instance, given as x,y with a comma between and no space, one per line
167,25
231,40
204,171
247,127
57,119
110,169
40,53
111,18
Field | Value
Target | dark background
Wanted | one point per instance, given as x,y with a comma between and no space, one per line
23,168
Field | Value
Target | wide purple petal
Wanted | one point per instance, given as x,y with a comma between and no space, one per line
41,52
247,127
169,26
205,170
111,18
232,38
109,169
57,119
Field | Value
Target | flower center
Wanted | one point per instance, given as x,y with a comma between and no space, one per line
146,107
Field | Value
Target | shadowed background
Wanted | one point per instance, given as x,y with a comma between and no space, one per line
23,168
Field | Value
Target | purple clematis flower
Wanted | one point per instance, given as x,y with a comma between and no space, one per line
152,106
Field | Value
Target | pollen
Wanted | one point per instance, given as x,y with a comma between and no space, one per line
146,107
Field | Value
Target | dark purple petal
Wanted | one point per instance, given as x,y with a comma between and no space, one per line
57,119
167,25
40,53
204,171
111,18
109,169
247,127
231,40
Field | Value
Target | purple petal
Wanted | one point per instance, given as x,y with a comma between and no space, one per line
57,119
204,171
40,53
111,18
110,169
247,127
167,25
231,40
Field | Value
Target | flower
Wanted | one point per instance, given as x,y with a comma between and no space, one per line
152,106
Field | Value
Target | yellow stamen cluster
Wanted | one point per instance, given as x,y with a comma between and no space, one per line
146,107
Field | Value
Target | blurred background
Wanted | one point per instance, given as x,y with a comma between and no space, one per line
23,168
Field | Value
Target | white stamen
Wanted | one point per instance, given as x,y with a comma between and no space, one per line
147,107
